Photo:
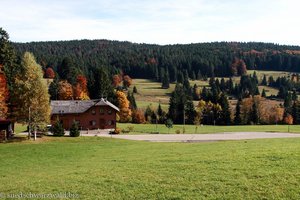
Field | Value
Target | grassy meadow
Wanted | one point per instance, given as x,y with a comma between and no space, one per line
98,168
150,92
191,129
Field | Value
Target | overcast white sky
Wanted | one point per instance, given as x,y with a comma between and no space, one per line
153,21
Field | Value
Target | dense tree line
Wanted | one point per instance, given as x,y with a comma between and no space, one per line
156,62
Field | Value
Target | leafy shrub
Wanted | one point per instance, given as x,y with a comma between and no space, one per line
58,129
74,130
177,131
130,128
116,131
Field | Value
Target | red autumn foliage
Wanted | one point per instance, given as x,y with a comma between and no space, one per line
83,82
152,61
49,73
289,119
127,81
3,94
238,67
138,117
80,90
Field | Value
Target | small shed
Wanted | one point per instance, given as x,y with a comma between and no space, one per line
6,129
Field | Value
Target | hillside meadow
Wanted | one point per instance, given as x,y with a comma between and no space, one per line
151,93
98,168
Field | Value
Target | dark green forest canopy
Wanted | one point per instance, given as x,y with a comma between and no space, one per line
152,61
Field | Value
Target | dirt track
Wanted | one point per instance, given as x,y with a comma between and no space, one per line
201,137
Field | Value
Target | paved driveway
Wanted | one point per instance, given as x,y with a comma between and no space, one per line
201,137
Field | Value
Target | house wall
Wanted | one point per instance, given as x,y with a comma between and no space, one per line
97,117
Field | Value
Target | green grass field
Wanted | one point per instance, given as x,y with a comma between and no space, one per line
189,129
97,168
20,128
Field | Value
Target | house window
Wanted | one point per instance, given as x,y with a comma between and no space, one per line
93,123
93,112
109,111
101,111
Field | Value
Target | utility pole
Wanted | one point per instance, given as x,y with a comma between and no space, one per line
29,128
183,129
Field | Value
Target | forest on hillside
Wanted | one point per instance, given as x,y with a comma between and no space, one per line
91,69
222,59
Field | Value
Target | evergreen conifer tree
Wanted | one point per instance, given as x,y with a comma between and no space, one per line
237,117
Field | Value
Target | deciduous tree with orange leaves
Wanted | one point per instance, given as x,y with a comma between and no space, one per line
125,111
116,80
127,81
65,90
80,91
289,119
138,116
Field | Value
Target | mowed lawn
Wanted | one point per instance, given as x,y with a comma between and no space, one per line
98,168
189,129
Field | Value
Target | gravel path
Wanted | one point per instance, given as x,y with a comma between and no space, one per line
199,137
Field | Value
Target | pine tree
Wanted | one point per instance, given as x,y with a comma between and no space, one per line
53,89
159,110
199,75
186,84
263,93
237,117
165,81
196,93
193,76
180,77
288,101
296,112
294,95
132,101
230,85
74,130
100,86
190,112
67,70
282,92
225,113
222,85
264,80
148,113
271,81
176,105
58,129
254,116
134,90
255,77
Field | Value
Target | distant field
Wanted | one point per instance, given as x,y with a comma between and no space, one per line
269,90
161,128
275,74
151,92
98,168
